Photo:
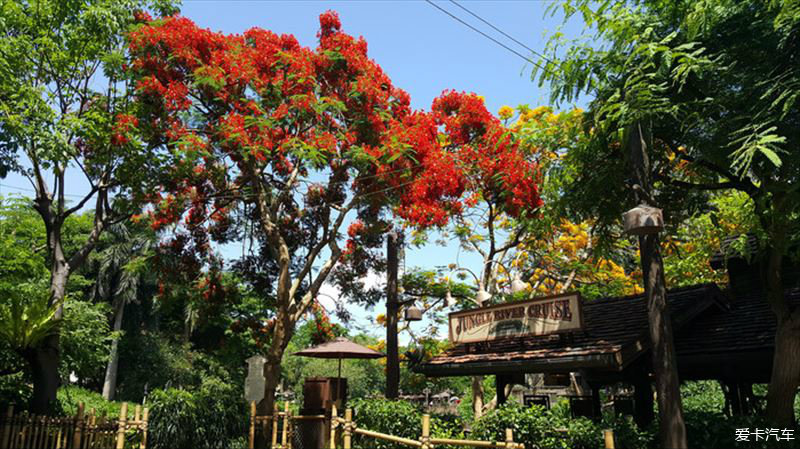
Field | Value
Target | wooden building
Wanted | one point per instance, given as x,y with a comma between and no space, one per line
720,334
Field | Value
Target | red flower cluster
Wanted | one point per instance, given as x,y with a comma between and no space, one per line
323,329
123,125
264,107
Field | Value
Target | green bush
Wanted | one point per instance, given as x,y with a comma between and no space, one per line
540,428
70,396
398,418
711,429
210,416
165,364
85,341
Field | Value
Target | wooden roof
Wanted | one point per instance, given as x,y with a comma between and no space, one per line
615,333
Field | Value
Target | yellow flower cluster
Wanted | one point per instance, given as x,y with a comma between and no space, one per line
505,112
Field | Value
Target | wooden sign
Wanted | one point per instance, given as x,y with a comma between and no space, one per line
255,383
539,316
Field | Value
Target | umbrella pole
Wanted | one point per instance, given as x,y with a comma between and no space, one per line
340,367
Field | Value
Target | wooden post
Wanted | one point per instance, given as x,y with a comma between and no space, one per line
145,415
393,244
290,427
91,429
501,380
78,430
608,436
274,424
252,436
333,427
284,436
6,435
426,431
348,419
37,424
123,419
510,439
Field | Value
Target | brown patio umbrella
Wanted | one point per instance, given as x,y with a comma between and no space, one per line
340,348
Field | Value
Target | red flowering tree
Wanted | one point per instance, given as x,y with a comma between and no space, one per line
260,129
293,140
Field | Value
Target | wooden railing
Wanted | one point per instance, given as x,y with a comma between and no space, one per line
282,424
349,428
82,431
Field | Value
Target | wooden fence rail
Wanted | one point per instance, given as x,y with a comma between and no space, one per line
349,428
282,425
82,431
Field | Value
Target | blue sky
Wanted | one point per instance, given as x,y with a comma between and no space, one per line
422,50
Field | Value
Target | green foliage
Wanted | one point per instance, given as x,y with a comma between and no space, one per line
688,251
26,317
85,339
163,364
206,417
69,397
702,396
539,428
707,425
15,386
399,418
714,84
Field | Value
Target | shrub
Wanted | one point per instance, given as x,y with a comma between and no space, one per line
710,429
163,365
85,341
399,418
70,396
208,417
539,428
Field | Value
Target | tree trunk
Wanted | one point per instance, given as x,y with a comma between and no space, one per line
392,309
44,360
110,382
477,396
785,368
670,413
786,361
282,333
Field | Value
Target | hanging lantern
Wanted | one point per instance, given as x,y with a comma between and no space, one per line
482,296
412,313
518,285
643,220
449,301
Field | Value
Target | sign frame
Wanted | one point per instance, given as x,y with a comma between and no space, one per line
579,312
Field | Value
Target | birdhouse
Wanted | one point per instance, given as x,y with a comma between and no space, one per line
482,296
518,285
449,301
642,220
413,314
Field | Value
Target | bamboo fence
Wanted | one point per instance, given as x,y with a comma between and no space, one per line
82,431
282,428
349,428
285,441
